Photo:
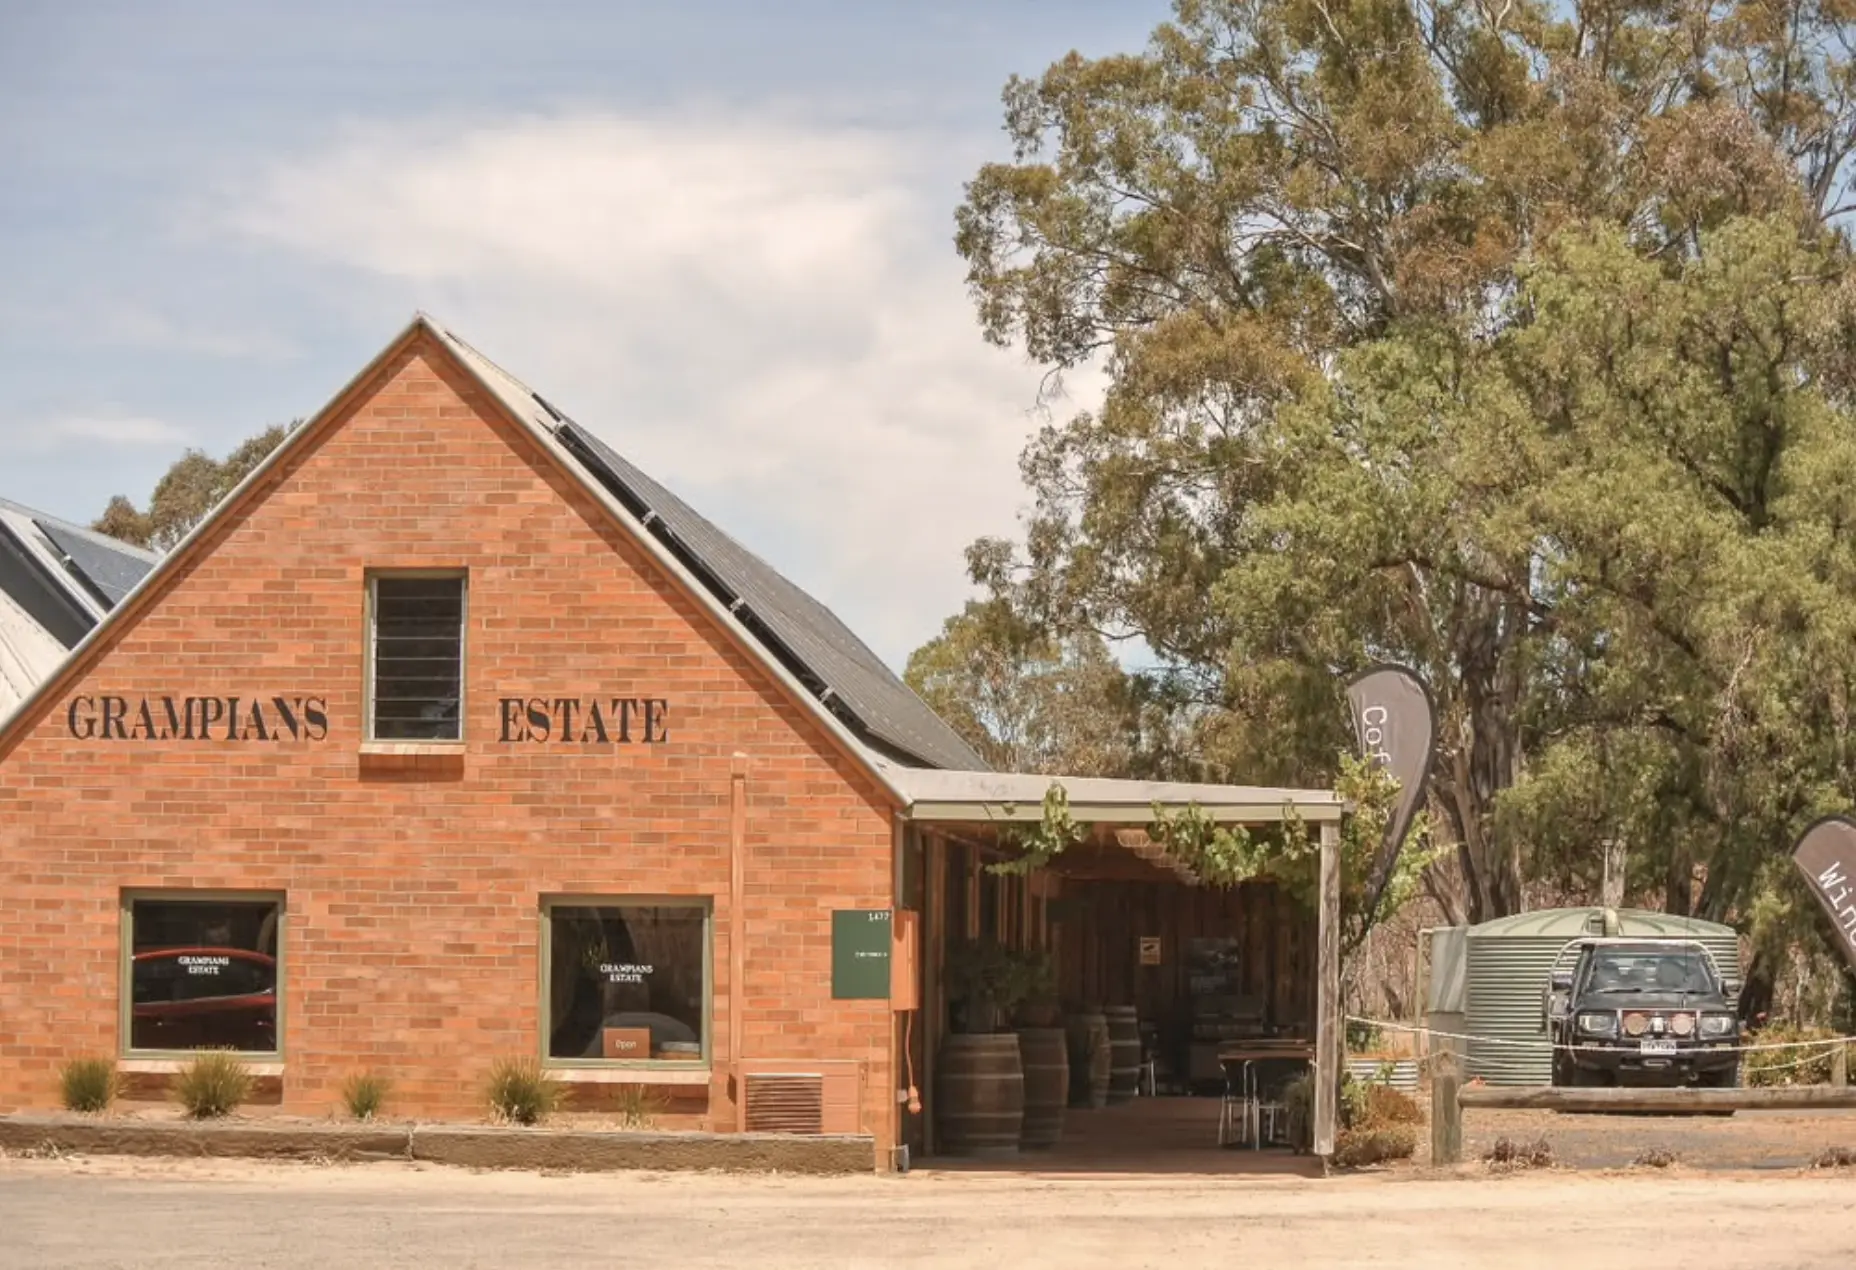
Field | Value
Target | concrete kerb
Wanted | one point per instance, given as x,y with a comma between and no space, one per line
101,1135
464,1146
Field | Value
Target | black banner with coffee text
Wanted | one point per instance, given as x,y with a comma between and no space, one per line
1397,728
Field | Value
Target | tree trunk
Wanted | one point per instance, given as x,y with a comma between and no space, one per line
1756,987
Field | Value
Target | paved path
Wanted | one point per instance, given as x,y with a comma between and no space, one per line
96,1213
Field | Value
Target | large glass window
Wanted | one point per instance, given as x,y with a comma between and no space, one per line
202,972
417,652
627,981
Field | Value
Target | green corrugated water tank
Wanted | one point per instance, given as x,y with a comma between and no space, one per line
1510,960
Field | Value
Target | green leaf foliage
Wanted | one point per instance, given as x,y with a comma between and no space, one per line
1227,855
192,486
1510,343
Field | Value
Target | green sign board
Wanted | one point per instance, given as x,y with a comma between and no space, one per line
860,954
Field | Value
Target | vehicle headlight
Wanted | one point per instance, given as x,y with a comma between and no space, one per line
1599,1024
1717,1024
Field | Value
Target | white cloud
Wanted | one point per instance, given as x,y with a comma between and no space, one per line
71,432
116,322
769,317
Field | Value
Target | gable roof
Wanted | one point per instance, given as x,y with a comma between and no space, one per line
716,572
789,625
527,409
57,581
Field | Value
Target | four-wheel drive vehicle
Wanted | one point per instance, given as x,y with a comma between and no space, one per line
1642,1012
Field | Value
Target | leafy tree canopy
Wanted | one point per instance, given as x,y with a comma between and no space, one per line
190,488
1507,342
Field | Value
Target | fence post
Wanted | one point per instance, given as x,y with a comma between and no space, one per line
1446,1112
1840,1066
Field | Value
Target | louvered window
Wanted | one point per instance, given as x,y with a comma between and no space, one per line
416,650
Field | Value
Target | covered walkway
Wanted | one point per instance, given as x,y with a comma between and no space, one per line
1148,1136
1127,927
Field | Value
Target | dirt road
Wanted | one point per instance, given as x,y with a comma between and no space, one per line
103,1212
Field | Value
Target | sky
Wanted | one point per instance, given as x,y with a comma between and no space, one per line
716,232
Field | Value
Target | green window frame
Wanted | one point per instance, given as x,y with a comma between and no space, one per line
125,979
546,949
371,642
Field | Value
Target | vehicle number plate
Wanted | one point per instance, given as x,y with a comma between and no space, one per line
1658,1047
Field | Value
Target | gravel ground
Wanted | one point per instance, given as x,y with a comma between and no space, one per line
1749,1140
83,1214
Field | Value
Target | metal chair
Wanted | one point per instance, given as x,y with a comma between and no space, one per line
1238,1110
1147,1078
1273,1124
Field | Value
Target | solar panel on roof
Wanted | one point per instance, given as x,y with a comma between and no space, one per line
811,633
113,573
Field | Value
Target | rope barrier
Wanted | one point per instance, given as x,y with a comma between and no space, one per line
1827,1045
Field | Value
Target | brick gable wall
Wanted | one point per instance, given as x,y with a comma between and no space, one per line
412,925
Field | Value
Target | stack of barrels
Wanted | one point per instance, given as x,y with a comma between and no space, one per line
1089,1057
981,1094
998,1092
1124,1045
1045,1054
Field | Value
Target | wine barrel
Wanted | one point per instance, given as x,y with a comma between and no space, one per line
980,1090
1045,1054
1089,1058
1124,1045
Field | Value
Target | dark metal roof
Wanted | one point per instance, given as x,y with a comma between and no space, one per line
109,567
792,628
791,624
87,572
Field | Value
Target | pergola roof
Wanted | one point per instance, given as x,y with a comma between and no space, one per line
1016,797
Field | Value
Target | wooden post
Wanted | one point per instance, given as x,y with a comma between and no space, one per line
1840,1066
1446,1111
738,929
934,1002
1329,1030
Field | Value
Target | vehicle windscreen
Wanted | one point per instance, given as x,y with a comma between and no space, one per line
1623,970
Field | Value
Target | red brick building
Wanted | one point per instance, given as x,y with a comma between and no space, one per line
451,737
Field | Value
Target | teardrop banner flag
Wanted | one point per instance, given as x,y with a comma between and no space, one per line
1397,727
1826,855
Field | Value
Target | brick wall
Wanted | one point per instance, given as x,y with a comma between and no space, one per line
412,925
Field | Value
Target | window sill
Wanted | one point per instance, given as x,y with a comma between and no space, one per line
411,749
415,760
262,1068
678,1074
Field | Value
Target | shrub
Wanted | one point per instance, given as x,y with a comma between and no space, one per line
89,1084
521,1093
1298,1097
214,1084
1509,1154
1655,1158
1352,1101
1388,1106
1363,1036
1764,1067
637,1106
1356,1148
364,1094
